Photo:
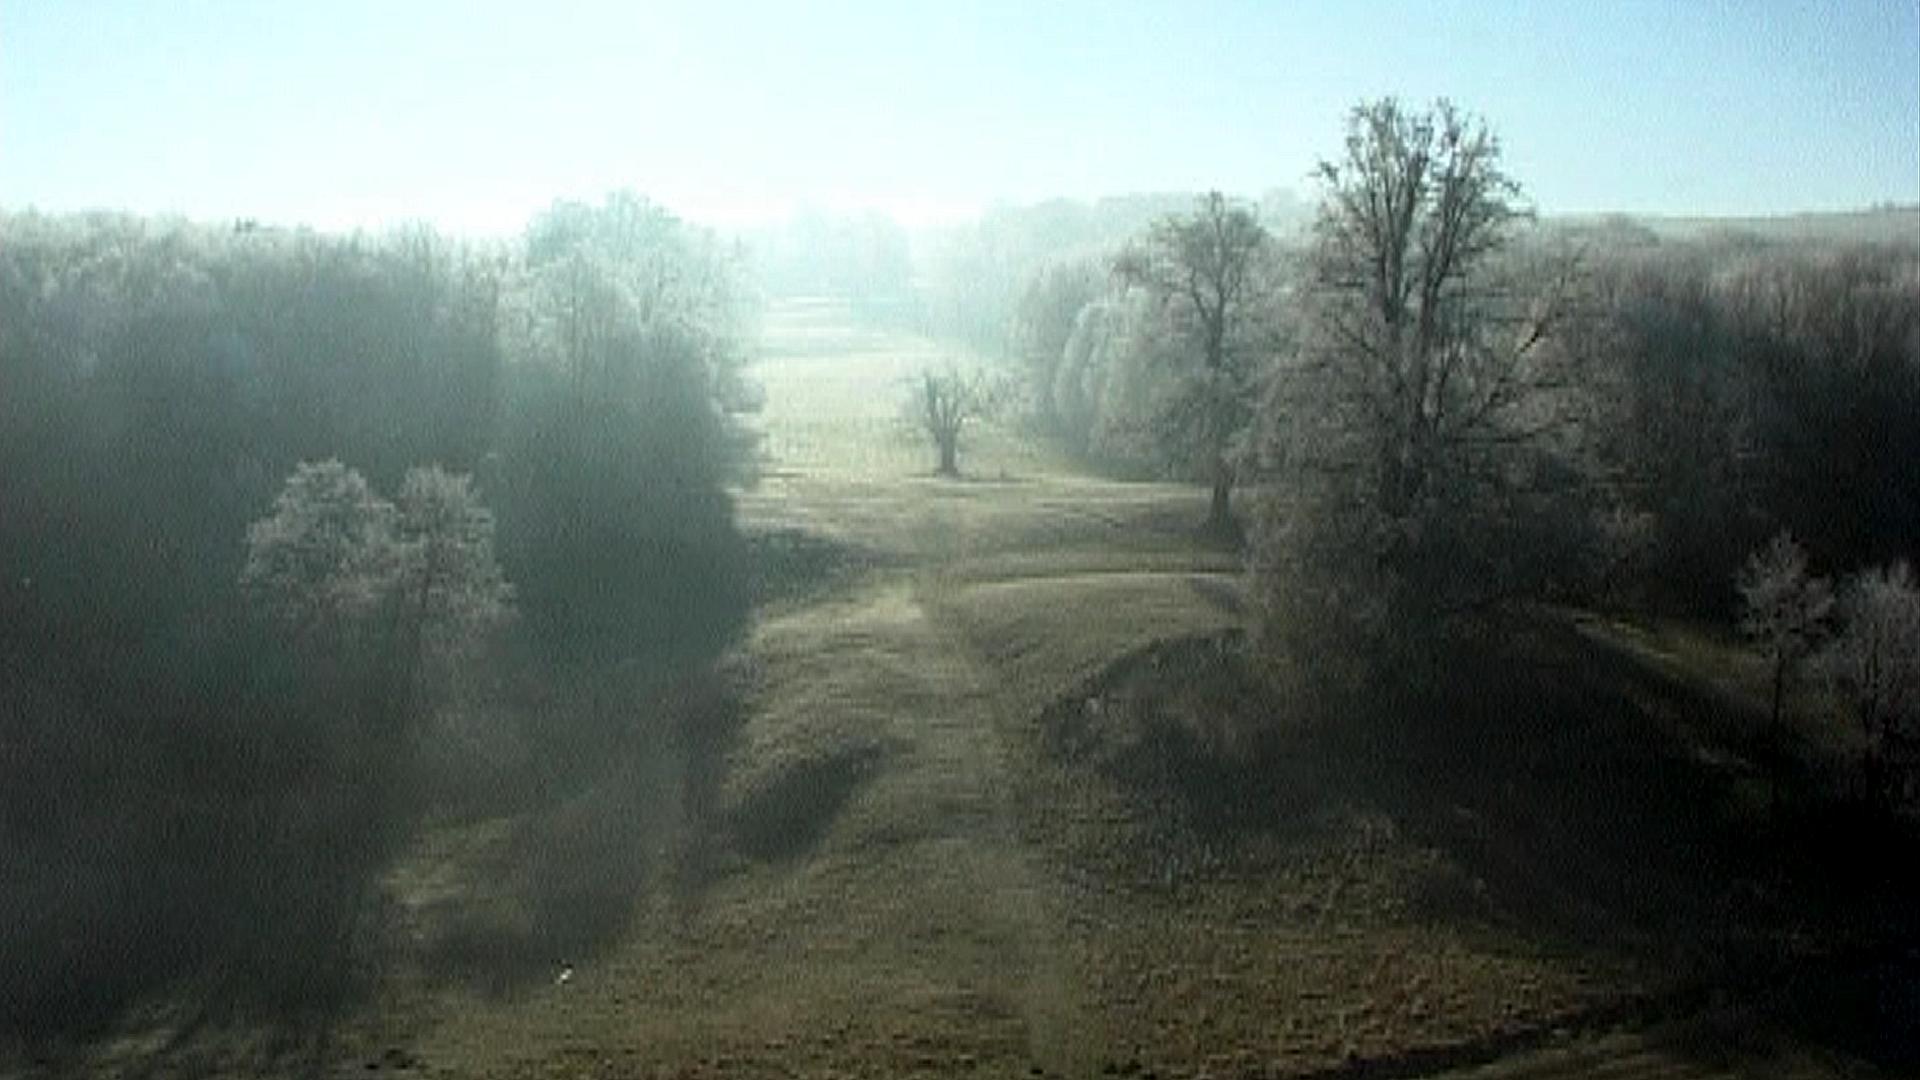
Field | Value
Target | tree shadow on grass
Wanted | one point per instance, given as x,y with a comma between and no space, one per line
793,812
1610,806
787,564
242,946
565,884
1573,794
1610,801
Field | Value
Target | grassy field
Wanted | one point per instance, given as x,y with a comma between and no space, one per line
965,826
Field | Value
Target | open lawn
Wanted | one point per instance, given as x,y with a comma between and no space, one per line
989,809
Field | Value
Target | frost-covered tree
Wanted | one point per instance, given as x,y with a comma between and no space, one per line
448,585
1044,323
1420,435
1874,662
325,558
1207,271
1784,611
620,435
1111,380
379,588
1415,327
609,289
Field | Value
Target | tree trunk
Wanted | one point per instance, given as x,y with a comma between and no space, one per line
1873,770
1776,751
1220,521
949,456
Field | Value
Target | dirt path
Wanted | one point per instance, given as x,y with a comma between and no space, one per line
960,930
923,862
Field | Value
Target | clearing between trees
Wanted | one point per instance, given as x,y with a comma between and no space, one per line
983,811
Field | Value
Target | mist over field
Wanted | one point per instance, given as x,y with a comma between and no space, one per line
1164,541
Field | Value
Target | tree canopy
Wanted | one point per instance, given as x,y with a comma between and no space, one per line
1424,423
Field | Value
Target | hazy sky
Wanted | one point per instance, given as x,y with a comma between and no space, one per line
473,113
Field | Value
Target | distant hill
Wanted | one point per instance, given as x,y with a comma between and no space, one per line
1885,224
1069,225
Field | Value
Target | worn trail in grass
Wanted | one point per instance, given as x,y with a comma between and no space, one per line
874,908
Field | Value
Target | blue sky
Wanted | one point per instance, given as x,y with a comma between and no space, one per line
472,114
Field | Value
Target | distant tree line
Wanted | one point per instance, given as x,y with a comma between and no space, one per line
964,282
1749,387
265,497
864,259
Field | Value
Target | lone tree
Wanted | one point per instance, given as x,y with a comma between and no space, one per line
1425,415
1785,613
1206,271
943,403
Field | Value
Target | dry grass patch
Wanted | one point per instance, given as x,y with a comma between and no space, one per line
1044,636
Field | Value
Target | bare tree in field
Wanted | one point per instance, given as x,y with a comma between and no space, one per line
942,404
1207,271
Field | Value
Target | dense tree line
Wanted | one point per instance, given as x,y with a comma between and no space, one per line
1636,412
1443,405
1749,387
865,259
975,282
972,275
260,493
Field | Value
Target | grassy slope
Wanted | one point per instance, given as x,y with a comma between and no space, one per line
898,922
